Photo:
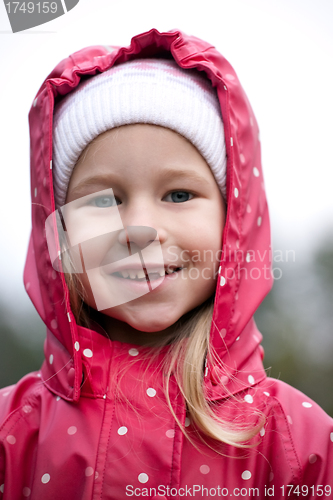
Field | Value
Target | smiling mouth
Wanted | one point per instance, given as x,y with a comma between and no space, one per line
144,275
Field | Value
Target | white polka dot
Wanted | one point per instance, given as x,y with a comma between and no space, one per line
306,404
188,422
236,193
246,475
51,359
312,458
27,286
170,433
289,419
27,409
229,76
331,436
271,476
143,478
44,182
248,209
256,172
266,393
77,346
204,469
54,324
242,158
222,281
259,221
223,332
26,492
248,257
45,478
58,398
133,352
122,430
151,392
35,102
11,439
248,398
251,380
35,192
262,432
89,471
88,353
104,397
237,339
2,487
72,430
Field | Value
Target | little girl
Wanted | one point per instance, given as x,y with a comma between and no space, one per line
148,257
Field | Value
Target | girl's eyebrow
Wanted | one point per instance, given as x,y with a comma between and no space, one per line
109,180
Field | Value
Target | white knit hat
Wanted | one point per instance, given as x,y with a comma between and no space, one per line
154,91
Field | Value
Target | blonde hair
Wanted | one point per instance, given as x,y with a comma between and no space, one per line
189,351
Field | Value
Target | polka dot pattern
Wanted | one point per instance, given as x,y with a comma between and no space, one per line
290,420
72,430
133,352
88,353
170,433
248,257
151,392
259,220
242,158
54,324
122,430
266,393
89,471
251,380
246,475
2,487
256,172
312,458
306,404
27,409
331,436
51,359
188,422
45,478
223,332
236,193
26,492
77,346
262,432
222,281
248,398
204,469
143,477
248,209
11,439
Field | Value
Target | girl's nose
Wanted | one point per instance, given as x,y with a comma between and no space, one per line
137,237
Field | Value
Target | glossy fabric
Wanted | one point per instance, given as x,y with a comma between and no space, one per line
94,422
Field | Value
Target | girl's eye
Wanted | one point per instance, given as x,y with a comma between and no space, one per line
105,201
179,196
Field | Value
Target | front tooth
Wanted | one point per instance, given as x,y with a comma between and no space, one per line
132,275
124,274
162,272
140,274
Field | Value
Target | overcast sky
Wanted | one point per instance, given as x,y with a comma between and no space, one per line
282,51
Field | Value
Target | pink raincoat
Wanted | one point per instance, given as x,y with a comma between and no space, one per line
66,434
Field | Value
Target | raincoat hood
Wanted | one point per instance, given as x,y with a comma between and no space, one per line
244,275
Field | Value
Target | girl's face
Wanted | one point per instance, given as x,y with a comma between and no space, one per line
160,188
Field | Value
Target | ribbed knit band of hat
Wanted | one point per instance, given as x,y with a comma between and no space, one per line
153,91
